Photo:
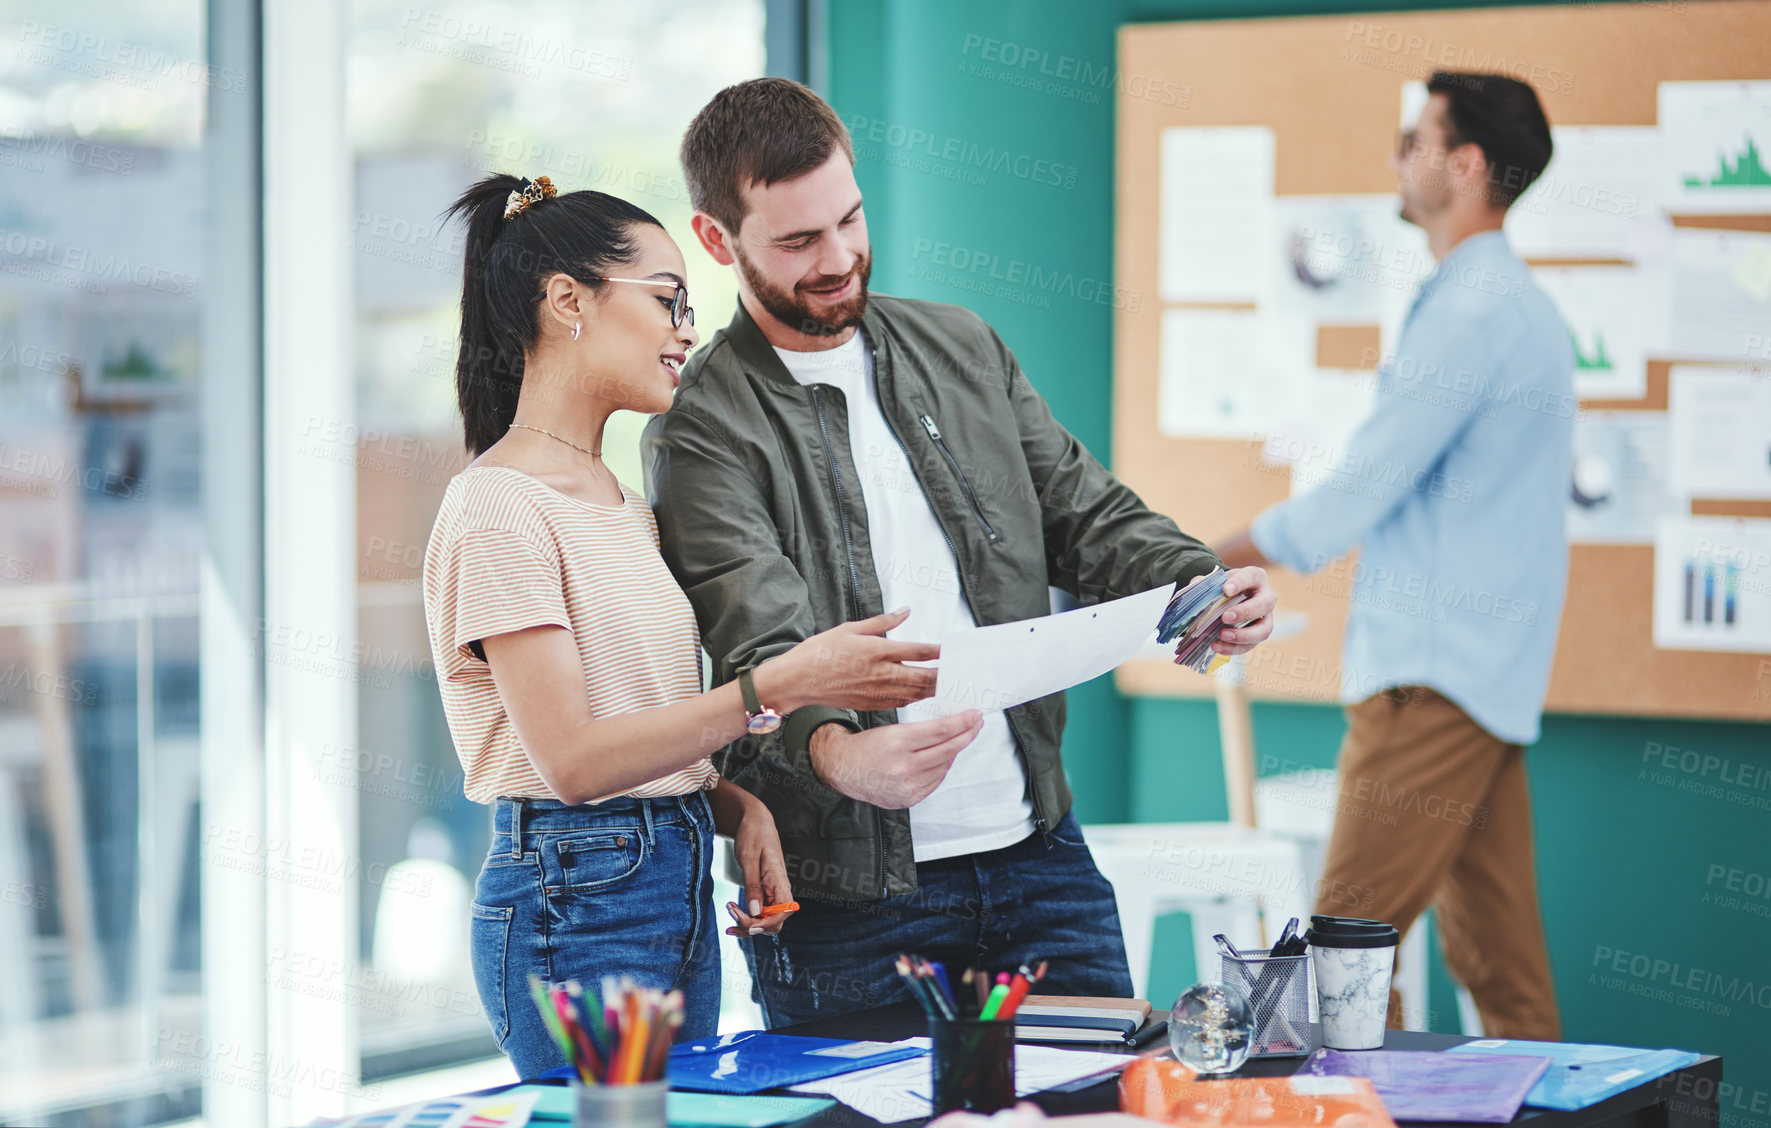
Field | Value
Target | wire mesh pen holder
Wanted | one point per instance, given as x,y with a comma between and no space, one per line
1278,990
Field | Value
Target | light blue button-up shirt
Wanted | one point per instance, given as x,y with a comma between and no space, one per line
1454,491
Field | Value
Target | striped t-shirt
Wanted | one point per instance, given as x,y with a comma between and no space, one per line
508,552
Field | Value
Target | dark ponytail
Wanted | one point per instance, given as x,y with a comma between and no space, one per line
581,234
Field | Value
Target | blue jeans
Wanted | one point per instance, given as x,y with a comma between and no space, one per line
621,888
996,910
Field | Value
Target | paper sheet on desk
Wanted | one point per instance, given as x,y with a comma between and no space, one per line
998,667
902,1089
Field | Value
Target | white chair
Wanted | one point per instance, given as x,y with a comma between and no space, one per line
1232,879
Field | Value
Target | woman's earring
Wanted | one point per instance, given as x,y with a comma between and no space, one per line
577,326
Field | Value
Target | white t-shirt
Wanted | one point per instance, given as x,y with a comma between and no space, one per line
982,804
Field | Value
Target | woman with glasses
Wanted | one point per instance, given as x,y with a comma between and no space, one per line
568,657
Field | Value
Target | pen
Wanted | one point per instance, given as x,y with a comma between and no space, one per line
941,977
1148,1034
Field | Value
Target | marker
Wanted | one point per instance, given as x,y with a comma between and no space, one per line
994,1002
1017,990
777,910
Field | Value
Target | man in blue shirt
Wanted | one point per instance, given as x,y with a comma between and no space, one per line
1453,492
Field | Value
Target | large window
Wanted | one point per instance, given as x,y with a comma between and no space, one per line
102,295
157,959
593,95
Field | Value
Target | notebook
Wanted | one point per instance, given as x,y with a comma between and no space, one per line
1417,1085
1079,1018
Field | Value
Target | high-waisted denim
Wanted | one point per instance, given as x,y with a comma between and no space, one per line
621,888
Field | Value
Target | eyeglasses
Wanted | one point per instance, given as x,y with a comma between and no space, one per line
679,302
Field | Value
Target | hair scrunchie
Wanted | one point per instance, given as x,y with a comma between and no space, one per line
531,193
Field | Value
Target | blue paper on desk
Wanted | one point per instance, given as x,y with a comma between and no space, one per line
1417,1085
1582,1075
755,1060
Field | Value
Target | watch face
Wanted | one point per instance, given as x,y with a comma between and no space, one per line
765,722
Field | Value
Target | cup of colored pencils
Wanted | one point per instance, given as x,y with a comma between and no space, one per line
616,1045
971,1031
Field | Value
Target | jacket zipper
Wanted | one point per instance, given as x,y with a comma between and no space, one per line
842,506
928,424
848,545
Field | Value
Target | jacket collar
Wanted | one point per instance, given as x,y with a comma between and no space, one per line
754,351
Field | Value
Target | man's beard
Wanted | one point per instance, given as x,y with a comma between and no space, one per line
795,311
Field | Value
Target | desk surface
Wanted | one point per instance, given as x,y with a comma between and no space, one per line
1683,1099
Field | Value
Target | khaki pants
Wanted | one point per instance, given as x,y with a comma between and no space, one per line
1435,810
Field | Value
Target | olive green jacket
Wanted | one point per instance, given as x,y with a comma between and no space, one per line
760,519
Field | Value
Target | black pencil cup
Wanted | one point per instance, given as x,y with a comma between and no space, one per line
973,1064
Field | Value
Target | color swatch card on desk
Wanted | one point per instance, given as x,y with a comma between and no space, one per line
1580,1075
507,1109
1427,1085
754,1060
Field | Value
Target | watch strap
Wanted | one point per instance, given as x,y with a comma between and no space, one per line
752,704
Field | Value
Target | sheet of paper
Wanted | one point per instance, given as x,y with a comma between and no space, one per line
1712,584
1721,431
1000,666
1601,187
1414,100
1616,317
1216,213
1228,374
1313,438
1721,295
1716,156
902,1089
1620,491
1342,258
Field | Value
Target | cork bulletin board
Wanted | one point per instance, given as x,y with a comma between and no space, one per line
1328,88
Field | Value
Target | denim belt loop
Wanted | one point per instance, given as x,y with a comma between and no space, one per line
516,827
646,813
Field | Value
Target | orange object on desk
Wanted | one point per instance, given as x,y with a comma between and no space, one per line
1170,1092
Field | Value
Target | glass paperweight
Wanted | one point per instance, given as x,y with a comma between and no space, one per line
1211,1027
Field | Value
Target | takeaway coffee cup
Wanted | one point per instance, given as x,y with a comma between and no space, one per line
1352,959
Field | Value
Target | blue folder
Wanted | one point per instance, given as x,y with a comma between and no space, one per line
755,1060
1580,1075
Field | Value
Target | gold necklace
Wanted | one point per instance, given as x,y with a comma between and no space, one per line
551,435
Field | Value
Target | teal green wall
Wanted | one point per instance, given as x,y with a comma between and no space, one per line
1628,853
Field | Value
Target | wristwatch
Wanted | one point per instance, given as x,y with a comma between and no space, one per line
762,720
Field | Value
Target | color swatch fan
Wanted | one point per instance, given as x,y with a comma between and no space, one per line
1194,617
